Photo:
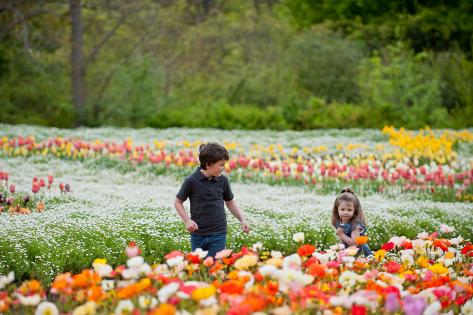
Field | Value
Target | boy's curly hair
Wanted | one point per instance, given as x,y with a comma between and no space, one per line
347,194
211,153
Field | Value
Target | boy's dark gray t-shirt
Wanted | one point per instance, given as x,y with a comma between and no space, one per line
207,196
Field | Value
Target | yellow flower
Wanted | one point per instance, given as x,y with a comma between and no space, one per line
246,262
86,309
203,293
438,269
423,261
379,254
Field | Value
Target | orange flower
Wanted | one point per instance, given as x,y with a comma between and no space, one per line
62,283
164,309
232,287
361,240
95,293
85,278
134,289
30,287
306,250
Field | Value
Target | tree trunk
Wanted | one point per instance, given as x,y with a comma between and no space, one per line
77,62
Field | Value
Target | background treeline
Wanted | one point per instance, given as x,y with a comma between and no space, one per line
247,64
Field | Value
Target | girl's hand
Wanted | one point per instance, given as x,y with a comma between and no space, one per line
339,231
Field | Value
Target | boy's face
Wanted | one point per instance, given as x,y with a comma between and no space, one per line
216,169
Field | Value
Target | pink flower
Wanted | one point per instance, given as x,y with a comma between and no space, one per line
12,188
132,250
223,254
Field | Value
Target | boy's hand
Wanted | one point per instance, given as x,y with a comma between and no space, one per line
244,226
191,226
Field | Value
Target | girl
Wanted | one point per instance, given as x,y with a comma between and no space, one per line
348,219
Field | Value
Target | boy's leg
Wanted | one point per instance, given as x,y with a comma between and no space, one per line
197,241
216,243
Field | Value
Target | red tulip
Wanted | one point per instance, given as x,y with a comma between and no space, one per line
61,186
12,188
35,187
50,179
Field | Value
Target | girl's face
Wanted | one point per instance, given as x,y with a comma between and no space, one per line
346,210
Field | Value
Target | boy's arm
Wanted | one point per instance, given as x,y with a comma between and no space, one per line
233,207
191,226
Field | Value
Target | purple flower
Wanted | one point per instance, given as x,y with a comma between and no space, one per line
392,303
414,305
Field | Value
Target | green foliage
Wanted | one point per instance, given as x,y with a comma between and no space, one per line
326,65
308,64
407,84
220,115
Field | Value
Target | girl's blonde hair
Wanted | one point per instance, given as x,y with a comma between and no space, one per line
347,194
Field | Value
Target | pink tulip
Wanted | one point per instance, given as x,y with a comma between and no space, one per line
12,188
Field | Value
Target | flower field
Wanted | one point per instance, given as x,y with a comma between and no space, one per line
90,192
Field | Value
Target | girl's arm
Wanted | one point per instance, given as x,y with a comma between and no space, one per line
350,240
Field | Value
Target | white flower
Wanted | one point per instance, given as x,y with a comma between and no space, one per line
165,292
46,308
348,259
446,229
398,240
108,285
201,253
130,273
348,279
103,270
124,307
423,235
407,259
175,261
147,302
135,262
433,309
144,269
292,262
457,240
6,280
267,270
467,308
87,308
29,300
276,254
257,247
209,301
298,237
325,257
342,300
337,247
162,269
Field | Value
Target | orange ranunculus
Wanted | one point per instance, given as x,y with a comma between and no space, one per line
164,309
306,250
95,293
361,240
62,283
316,270
255,302
442,244
30,287
85,278
134,289
232,287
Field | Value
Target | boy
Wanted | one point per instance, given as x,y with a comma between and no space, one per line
208,190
